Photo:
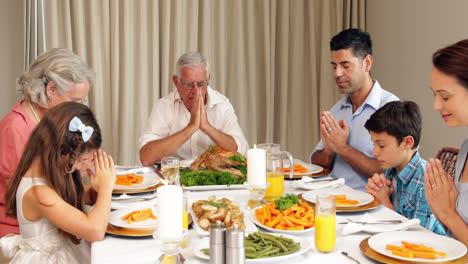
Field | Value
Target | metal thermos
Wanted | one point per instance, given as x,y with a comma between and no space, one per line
217,243
235,251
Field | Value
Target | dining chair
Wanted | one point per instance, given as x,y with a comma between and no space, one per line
448,158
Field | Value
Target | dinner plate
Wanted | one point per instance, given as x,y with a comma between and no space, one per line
149,179
362,197
253,218
115,219
305,246
311,168
452,247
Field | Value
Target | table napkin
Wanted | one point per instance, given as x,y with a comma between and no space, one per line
307,183
351,228
131,200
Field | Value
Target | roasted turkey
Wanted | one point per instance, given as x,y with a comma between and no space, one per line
216,158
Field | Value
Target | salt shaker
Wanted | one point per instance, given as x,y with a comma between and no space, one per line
217,243
235,251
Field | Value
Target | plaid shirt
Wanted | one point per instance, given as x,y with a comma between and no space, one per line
411,195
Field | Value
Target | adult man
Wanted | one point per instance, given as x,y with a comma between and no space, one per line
346,146
187,121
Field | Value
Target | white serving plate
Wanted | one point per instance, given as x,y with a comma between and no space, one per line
452,247
311,168
149,179
305,246
362,197
253,218
115,219
249,226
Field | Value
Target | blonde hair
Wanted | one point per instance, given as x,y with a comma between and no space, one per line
59,65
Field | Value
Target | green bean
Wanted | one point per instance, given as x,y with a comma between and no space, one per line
206,251
261,245
250,250
279,244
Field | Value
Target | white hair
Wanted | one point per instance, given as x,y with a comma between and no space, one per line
61,66
191,60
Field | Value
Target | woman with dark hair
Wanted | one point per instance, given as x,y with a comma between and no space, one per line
447,198
56,76
47,195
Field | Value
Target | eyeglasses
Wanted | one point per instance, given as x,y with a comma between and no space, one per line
188,86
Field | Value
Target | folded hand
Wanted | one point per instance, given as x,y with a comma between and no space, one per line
334,134
104,177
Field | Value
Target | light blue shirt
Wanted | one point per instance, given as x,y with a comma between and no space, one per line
359,137
410,195
462,200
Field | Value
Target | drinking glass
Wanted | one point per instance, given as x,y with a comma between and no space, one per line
325,223
185,220
170,167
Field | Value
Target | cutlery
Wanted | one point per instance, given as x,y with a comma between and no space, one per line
125,197
374,222
348,256
159,173
319,180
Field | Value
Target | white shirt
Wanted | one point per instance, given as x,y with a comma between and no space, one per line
169,116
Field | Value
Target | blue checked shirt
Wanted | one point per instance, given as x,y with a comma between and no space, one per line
411,196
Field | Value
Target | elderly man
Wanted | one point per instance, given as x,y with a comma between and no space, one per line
187,121
346,146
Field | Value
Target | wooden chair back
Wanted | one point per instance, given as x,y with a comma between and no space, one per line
448,158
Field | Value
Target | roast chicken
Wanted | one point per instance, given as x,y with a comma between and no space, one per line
216,158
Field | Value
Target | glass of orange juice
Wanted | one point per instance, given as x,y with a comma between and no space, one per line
276,188
185,220
325,223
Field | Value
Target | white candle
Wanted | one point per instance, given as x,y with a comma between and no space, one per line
170,208
256,167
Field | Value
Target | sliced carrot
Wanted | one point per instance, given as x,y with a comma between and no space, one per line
426,255
407,254
340,197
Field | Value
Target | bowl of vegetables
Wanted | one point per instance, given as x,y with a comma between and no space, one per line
286,215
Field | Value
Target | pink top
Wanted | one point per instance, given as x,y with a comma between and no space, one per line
15,128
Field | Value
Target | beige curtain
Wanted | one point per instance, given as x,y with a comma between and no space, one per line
34,30
270,57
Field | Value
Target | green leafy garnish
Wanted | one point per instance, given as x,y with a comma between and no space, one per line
286,201
237,158
197,178
212,150
242,168
217,205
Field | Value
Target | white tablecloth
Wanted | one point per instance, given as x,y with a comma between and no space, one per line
116,249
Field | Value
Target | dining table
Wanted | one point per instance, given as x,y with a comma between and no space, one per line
127,249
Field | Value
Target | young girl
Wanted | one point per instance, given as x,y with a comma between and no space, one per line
47,195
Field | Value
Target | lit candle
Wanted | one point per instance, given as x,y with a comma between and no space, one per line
256,166
170,208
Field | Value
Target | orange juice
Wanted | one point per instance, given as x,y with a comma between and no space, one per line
325,232
276,188
184,225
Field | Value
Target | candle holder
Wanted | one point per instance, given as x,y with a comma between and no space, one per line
170,249
257,192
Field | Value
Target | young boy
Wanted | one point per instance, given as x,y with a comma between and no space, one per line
395,130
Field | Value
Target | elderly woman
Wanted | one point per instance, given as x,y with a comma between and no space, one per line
54,77
447,198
